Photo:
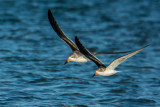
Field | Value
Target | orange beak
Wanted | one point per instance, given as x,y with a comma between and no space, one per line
68,60
96,73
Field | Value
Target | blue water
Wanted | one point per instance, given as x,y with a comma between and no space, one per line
32,56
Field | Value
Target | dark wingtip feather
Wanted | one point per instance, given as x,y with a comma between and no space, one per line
49,12
147,45
50,16
78,43
76,39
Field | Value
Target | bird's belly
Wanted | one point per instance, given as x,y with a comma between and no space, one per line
81,60
109,73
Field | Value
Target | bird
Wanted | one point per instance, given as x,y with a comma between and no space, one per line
102,69
77,56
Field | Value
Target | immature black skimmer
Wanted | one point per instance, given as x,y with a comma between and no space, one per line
77,56
102,69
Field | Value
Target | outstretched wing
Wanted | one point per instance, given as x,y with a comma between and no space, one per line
60,33
119,60
101,53
85,51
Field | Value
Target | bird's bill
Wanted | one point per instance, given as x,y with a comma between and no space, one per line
68,60
96,73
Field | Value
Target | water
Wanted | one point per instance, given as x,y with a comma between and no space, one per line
32,55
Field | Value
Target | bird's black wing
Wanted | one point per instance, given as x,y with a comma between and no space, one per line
101,53
90,56
60,33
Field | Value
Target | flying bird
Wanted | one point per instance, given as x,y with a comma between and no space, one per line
102,69
77,56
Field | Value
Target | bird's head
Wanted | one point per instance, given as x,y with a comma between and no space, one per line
70,58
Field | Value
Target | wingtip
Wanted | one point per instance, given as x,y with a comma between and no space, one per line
147,46
50,16
49,12
76,39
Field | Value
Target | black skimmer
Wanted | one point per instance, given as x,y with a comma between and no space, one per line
102,69
77,56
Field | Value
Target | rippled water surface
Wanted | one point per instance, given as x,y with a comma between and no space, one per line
32,56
